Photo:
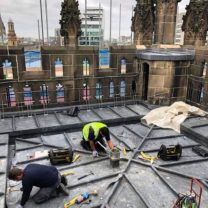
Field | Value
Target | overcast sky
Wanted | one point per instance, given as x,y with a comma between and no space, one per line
25,14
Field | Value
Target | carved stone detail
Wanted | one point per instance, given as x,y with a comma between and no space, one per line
70,22
143,22
195,23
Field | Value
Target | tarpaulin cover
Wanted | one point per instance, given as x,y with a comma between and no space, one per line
172,116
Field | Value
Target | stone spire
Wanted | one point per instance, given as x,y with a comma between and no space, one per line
166,11
2,30
70,22
11,36
143,22
195,23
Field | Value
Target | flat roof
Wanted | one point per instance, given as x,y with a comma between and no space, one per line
135,183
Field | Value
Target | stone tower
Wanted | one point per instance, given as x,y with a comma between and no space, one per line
11,36
2,30
70,22
166,11
195,23
143,22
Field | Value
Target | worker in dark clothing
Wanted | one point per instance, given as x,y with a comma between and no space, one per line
46,177
94,132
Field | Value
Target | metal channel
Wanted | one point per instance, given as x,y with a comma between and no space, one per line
133,132
101,118
115,112
13,123
132,110
126,169
184,162
137,192
57,118
165,137
68,141
121,141
93,180
36,120
165,182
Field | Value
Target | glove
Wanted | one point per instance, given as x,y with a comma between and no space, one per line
95,153
19,206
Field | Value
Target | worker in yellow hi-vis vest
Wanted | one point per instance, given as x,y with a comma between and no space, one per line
94,132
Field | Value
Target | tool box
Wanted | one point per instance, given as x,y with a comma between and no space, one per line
173,152
60,156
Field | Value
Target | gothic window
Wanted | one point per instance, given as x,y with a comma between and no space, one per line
123,66
111,89
7,70
59,93
59,68
11,98
86,91
98,91
44,96
86,67
122,88
27,93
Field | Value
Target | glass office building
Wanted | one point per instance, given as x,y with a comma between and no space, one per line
92,27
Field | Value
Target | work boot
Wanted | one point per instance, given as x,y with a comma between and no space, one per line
62,189
64,180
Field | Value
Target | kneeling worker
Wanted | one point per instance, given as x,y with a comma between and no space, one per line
94,132
48,178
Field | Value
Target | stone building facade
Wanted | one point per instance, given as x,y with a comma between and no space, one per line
74,75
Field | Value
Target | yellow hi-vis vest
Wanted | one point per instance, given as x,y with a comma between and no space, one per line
96,126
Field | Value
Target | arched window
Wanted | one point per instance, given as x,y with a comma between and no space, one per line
98,91
122,88
7,70
111,89
11,98
59,93
86,67
123,66
86,91
27,92
44,97
59,70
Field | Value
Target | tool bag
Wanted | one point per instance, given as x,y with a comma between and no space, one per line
74,111
60,156
173,152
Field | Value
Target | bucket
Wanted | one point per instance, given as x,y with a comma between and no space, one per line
114,158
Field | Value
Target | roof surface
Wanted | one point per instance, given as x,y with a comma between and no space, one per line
135,183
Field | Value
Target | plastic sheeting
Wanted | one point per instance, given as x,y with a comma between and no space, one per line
172,116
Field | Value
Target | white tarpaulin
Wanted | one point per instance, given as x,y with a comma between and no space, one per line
172,116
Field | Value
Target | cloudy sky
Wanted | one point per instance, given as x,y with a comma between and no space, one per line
25,14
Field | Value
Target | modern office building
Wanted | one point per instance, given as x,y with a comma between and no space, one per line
92,27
